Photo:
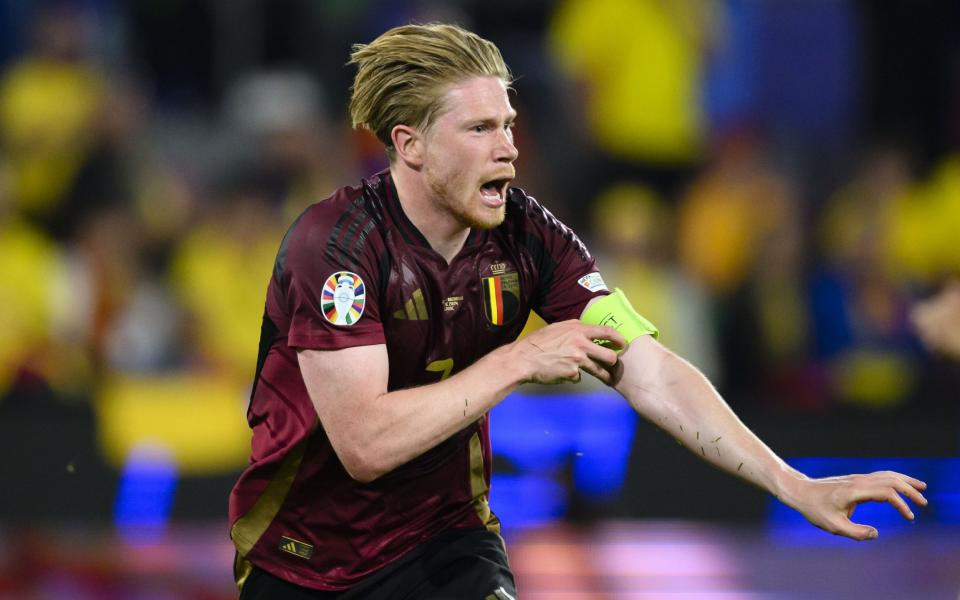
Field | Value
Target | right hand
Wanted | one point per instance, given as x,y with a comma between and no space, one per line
558,352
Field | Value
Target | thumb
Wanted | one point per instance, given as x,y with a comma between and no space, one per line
859,532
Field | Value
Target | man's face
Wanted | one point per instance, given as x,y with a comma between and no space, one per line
469,152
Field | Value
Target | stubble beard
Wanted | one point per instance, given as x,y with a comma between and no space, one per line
443,190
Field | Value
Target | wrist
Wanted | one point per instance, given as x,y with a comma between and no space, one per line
788,485
514,363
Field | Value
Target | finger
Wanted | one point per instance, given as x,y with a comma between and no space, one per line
897,477
889,495
602,355
597,356
857,531
900,504
598,371
599,332
610,376
616,374
570,377
916,483
910,492
883,493
573,368
562,371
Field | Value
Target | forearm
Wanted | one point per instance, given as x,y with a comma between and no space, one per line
398,426
374,431
672,394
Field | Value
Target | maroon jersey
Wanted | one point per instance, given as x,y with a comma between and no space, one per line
353,270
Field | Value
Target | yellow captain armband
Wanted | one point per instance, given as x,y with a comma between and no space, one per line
615,311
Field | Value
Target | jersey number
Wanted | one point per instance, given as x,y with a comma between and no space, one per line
441,366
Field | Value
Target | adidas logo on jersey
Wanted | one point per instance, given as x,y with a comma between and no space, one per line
415,309
292,546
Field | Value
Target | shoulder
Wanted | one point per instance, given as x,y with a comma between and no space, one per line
341,228
524,213
353,204
528,219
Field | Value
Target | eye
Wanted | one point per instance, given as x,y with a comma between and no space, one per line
479,128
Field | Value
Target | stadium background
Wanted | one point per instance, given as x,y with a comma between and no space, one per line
774,183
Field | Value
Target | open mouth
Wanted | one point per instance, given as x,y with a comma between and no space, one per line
494,192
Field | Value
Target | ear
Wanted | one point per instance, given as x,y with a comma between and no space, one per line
408,145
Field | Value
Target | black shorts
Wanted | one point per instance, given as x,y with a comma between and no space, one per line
461,565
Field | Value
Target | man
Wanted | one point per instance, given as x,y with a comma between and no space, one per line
370,465
937,320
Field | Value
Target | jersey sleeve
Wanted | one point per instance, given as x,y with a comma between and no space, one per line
328,270
567,274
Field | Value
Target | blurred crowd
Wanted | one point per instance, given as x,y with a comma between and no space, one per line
775,184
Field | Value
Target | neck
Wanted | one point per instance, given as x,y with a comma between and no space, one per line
445,234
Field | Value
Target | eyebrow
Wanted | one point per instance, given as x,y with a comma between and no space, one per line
511,117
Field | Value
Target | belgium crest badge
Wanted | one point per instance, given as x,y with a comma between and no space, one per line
501,297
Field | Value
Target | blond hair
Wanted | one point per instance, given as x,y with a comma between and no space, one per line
403,75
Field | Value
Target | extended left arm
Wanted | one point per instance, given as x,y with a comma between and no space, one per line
672,394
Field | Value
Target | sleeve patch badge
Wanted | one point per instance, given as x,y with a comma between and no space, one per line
593,282
343,298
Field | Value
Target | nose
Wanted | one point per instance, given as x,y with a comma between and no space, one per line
506,150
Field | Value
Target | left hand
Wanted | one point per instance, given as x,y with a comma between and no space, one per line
829,503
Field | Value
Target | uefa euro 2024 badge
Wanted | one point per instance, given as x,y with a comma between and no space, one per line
343,298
